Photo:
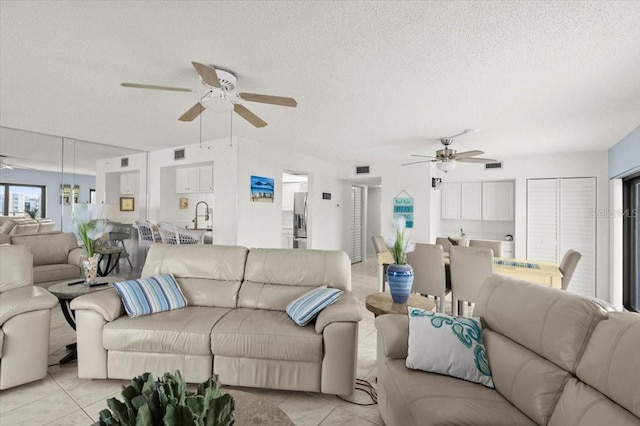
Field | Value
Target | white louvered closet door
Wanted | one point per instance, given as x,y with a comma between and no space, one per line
560,217
542,219
355,243
578,231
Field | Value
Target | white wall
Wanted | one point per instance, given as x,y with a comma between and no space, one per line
575,164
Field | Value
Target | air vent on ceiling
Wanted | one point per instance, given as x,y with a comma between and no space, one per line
178,154
124,162
493,166
362,170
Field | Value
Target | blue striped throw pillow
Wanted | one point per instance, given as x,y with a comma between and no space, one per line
150,295
306,307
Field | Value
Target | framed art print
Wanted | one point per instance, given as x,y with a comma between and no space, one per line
127,204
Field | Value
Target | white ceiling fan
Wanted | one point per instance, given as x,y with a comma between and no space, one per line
220,94
6,165
446,158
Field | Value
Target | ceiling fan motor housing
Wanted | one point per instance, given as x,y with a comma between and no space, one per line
227,79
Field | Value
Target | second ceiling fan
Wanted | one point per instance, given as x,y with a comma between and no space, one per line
221,85
446,157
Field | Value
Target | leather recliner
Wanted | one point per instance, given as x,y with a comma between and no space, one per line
25,319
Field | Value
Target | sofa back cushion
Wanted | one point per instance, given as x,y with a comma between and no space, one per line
552,323
48,249
209,275
25,227
580,404
611,362
276,277
528,381
16,267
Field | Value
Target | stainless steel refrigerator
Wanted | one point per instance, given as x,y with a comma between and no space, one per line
300,212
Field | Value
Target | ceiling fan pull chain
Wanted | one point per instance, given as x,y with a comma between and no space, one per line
231,128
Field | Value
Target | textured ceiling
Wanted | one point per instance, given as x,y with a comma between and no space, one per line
373,80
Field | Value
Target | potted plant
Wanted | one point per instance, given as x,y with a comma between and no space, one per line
166,401
90,227
399,273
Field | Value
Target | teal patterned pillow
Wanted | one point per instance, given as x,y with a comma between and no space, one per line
448,345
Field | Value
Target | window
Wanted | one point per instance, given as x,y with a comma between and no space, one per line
21,200
631,243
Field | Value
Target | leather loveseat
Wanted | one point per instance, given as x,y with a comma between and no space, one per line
234,324
25,320
556,358
56,256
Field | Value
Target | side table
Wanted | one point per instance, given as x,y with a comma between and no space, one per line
65,294
112,255
381,303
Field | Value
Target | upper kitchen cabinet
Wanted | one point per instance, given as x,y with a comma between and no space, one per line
498,200
288,189
450,200
462,200
194,179
129,183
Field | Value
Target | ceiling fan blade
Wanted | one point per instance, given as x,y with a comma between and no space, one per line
243,112
476,160
417,162
464,132
208,74
192,113
467,154
155,87
268,99
422,156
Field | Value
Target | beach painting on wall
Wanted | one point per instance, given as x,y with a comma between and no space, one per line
262,189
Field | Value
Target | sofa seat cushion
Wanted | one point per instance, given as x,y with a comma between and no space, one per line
421,398
55,272
263,334
182,331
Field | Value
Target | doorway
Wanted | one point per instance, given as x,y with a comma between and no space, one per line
295,209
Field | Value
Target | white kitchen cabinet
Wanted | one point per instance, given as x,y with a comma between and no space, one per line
498,201
129,183
287,238
450,193
194,179
471,200
206,178
288,189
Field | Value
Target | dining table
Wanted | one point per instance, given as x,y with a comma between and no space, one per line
535,271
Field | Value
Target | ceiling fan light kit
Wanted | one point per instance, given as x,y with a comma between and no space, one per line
446,165
221,96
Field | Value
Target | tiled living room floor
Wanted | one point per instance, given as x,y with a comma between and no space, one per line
61,398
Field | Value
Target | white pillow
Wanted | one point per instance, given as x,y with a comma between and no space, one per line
448,345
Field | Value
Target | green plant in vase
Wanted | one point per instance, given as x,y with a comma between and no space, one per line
400,274
166,401
90,226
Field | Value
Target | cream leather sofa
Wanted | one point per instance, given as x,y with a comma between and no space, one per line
556,359
25,319
235,324
56,256
10,225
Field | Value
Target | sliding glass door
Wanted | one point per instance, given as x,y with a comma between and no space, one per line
631,241
23,200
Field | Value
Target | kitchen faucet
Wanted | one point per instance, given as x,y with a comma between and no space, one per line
462,234
206,214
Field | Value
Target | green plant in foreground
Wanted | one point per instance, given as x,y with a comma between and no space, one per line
166,401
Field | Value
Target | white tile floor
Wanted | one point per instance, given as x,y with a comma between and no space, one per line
61,398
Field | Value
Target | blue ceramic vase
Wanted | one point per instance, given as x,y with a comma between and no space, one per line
400,278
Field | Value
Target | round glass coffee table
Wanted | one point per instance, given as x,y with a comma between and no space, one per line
381,303
66,291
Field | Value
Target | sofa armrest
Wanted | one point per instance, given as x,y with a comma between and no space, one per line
74,256
393,335
106,303
346,309
24,299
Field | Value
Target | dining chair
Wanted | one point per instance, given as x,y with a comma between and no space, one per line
380,246
469,268
444,243
568,266
148,233
427,261
495,246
